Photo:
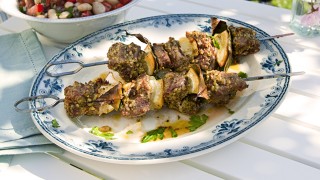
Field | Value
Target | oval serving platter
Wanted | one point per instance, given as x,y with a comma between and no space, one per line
250,106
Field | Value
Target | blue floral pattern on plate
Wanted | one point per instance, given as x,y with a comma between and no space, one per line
271,59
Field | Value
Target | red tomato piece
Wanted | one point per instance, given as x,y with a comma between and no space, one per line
40,8
73,1
86,13
119,5
124,2
107,5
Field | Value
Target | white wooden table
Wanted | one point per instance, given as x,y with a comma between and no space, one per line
284,146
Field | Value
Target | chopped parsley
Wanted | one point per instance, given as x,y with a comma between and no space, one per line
55,123
107,135
196,121
215,42
242,74
173,132
154,135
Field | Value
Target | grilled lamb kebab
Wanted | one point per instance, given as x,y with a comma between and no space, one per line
130,61
211,52
178,91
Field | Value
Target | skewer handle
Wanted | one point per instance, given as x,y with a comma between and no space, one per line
273,76
56,99
80,65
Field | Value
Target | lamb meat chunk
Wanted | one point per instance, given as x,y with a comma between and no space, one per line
176,94
80,98
127,60
136,97
222,87
175,89
207,54
191,104
163,58
179,61
244,41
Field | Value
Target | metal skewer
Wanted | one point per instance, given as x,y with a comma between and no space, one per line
253,78
57,100
275,36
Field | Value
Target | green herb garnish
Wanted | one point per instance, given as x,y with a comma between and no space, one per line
154,135
215,42
55,123
129,132
230,111
158,134
173,132
106,135
242,74
196,121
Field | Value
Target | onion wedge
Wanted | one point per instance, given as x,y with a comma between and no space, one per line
221,39
111,99
223,43
156,96
194,81
149,59
189,46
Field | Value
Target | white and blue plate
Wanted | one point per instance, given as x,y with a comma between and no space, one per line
250,107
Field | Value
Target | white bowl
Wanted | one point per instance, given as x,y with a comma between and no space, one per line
67,30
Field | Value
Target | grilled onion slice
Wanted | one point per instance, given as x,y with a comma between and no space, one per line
222,39
110,99
189,46
156,97
194,81
149,59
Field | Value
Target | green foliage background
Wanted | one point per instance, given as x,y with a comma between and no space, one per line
279,3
